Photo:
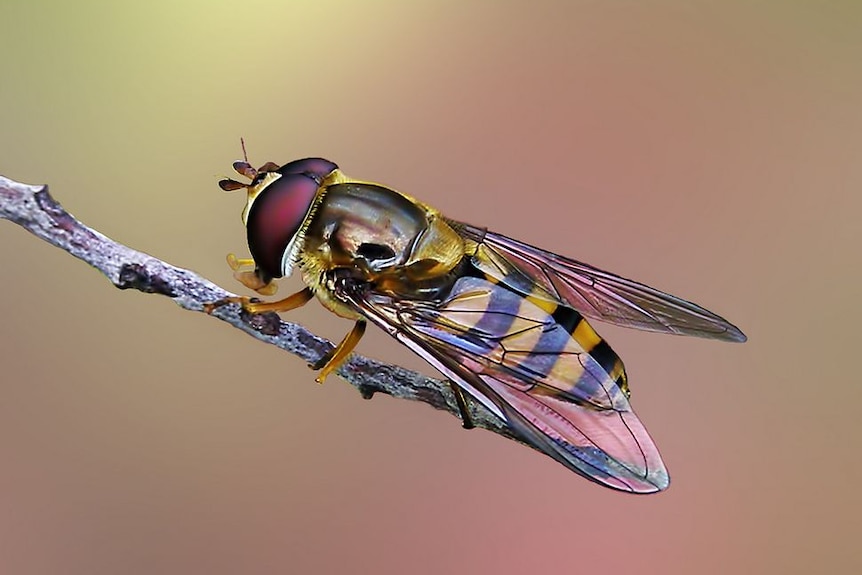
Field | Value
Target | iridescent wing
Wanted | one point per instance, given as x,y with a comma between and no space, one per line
599,294
519,358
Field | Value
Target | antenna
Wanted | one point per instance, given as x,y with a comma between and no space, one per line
244,153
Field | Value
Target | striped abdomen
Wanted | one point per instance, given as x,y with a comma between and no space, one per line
548,348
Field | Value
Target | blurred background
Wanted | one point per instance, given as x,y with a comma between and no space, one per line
710,149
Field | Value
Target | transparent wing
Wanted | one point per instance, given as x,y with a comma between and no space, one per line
518,361
602,295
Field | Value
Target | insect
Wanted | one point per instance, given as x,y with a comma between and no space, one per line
504,321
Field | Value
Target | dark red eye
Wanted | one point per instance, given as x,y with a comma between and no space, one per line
275,217
316,168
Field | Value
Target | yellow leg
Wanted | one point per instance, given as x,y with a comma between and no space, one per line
250,279
235,263
298,299
333,360
294,301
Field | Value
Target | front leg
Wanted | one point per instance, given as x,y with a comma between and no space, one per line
251,279
291,302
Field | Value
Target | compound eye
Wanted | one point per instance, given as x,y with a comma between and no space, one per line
316,168
276,218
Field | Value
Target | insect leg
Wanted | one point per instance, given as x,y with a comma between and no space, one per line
250,279
466,418
235,263
333,359
294,301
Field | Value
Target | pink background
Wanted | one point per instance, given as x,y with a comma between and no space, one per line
711,149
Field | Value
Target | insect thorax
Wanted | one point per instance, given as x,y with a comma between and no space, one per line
379,235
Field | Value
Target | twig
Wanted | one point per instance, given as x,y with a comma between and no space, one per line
33,208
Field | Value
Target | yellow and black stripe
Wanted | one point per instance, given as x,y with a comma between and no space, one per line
548,343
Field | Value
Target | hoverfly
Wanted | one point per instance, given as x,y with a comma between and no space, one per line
504,321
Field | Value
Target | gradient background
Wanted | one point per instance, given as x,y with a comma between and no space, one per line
711,149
